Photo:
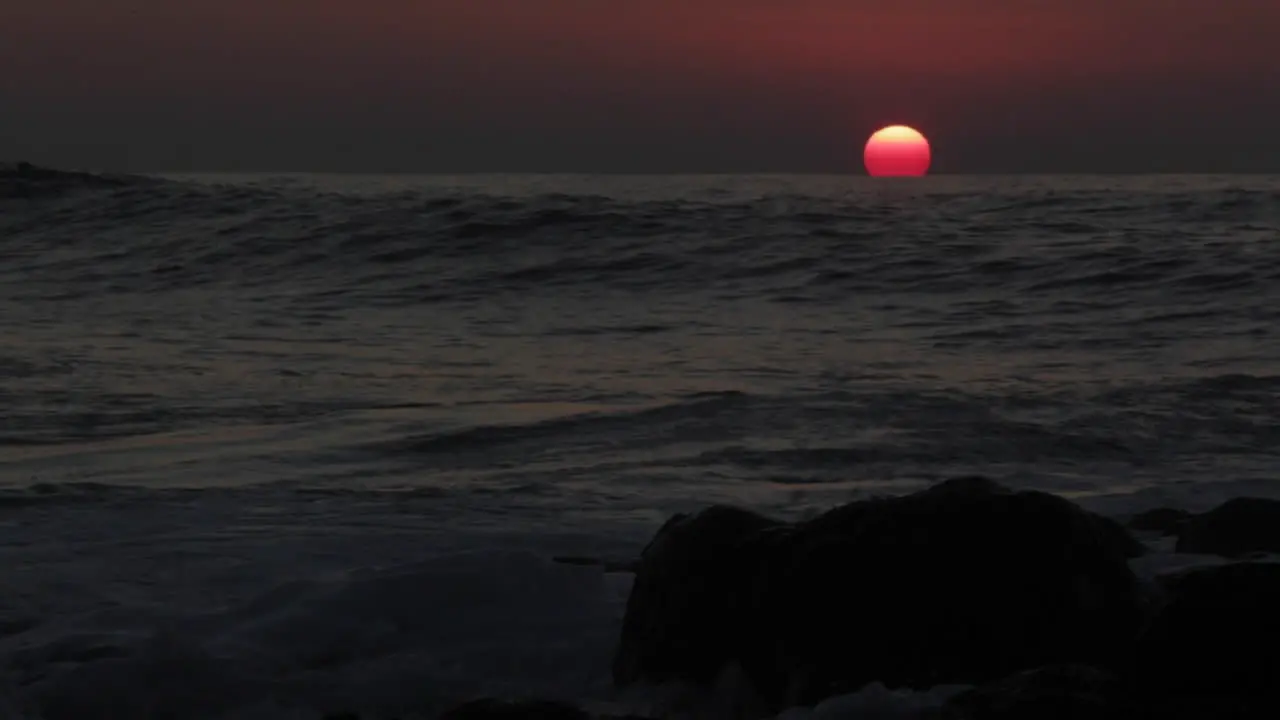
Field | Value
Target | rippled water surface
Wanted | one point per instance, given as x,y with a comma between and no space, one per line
622,342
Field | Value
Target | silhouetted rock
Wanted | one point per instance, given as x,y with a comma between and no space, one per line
1218,635
520,709
1059,692
1234,528
689,604
966,582
1166,521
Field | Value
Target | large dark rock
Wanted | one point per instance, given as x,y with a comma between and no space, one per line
1234,528
966,582
1217,636
690,601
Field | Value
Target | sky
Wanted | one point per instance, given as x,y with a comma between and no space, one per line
638,85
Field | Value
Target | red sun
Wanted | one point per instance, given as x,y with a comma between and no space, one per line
897,151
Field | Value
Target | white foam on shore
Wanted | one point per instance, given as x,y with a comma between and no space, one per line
245,606
406,639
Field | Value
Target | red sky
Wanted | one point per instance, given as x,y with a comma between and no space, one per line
646,85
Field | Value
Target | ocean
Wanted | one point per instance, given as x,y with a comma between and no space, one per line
277,446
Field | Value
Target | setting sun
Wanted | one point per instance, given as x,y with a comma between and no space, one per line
897,151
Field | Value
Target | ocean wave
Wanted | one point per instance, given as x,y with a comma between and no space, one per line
24,181
834,437
147,235
489,437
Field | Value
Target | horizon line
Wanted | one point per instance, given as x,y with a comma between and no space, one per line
708,173
654,173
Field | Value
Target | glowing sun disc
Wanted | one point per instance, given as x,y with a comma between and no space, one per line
897,151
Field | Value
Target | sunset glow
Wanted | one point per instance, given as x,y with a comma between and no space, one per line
712,86
897,151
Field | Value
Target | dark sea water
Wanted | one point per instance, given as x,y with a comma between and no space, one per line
314,439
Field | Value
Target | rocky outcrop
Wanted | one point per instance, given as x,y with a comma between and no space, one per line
966,582
1218,635
1236,528
1211,650
691,599
1233,529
